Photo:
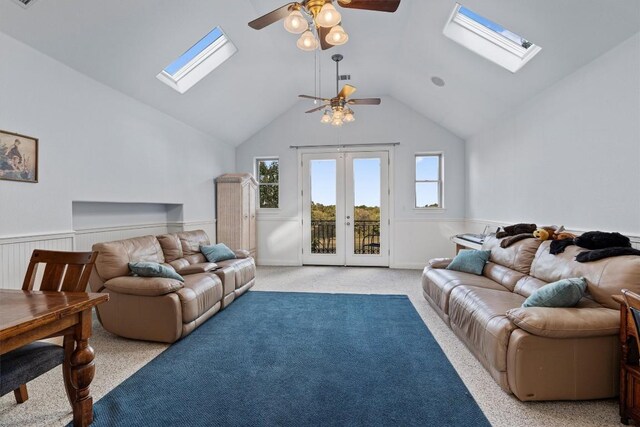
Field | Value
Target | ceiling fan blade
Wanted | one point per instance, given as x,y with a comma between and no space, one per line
378,5
347,91
322,34
273,16
314,97
318,108
364,101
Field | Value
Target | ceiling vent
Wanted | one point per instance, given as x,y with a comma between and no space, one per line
25,3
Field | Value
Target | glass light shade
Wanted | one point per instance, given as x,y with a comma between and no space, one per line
349,117
337,115
328,16
307,41
326,118
295,22
336,122
337,36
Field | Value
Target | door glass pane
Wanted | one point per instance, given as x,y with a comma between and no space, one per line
427,194
366,206
323,206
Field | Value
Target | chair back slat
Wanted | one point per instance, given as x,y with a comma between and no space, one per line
52,277
64,271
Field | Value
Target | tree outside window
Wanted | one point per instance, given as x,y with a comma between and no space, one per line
268,175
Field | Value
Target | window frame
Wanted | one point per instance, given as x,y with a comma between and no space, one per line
256,166
487,43
440,180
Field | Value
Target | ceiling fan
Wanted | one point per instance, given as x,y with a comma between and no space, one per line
321,15
336,109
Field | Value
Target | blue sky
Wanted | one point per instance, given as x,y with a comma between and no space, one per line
491,25
367,181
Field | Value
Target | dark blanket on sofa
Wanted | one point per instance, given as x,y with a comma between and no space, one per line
508,241
558,246
602,240
512,230
597,254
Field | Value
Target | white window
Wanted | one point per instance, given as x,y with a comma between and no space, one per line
268,176
201,58
428,181
488,39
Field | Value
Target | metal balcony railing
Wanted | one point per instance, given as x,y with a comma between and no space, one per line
366,237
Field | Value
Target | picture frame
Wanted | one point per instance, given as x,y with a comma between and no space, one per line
18,157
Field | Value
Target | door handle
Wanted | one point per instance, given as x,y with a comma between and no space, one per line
348,223
348,216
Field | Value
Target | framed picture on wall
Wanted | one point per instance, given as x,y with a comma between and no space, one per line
18,157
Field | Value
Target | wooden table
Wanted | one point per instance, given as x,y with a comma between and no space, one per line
27,316
629,366
465,244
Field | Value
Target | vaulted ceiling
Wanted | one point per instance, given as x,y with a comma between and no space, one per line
124,44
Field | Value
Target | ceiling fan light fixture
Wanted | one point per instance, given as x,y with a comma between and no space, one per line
337,115
337,36
349,117
295,23
307,41
328,16
326,117
336,122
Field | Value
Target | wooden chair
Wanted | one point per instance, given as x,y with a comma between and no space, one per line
633,305
64,272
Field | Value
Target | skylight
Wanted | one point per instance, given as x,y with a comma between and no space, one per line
489,39
201,58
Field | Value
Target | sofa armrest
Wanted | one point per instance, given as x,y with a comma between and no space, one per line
242,253
143,286
201,267
440,262
566,322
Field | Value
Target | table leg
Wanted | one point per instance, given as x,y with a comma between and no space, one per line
79,369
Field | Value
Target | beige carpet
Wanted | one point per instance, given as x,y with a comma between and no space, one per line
117,358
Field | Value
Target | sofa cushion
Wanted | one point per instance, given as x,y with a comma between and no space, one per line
584,320
469,261
201,267
438,284
245,269
528,285
605,277
218,252
563,293
114,257
144,286
480,314
171,247
517,257
200,293
503,275
191,242
153,269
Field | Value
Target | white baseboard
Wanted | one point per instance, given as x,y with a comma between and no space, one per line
278,263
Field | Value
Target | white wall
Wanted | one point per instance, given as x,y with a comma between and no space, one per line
96,144
569,156
417,235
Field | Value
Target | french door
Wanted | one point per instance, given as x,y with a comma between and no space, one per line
345,207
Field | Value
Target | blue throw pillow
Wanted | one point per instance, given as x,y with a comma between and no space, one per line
470,261
219,252
563,293
153,269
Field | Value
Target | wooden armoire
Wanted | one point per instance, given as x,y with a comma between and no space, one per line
236,211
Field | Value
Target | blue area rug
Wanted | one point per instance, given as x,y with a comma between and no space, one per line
298,359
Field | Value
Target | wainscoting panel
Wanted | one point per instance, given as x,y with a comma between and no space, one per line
415,240
279,241
15,253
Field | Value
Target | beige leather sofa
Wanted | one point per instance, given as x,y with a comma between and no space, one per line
159,309
537,353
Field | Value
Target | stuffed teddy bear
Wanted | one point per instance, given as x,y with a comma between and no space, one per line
552,233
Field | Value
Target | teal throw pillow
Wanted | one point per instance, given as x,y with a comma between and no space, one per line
563,293
216,253
153,269
470,261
